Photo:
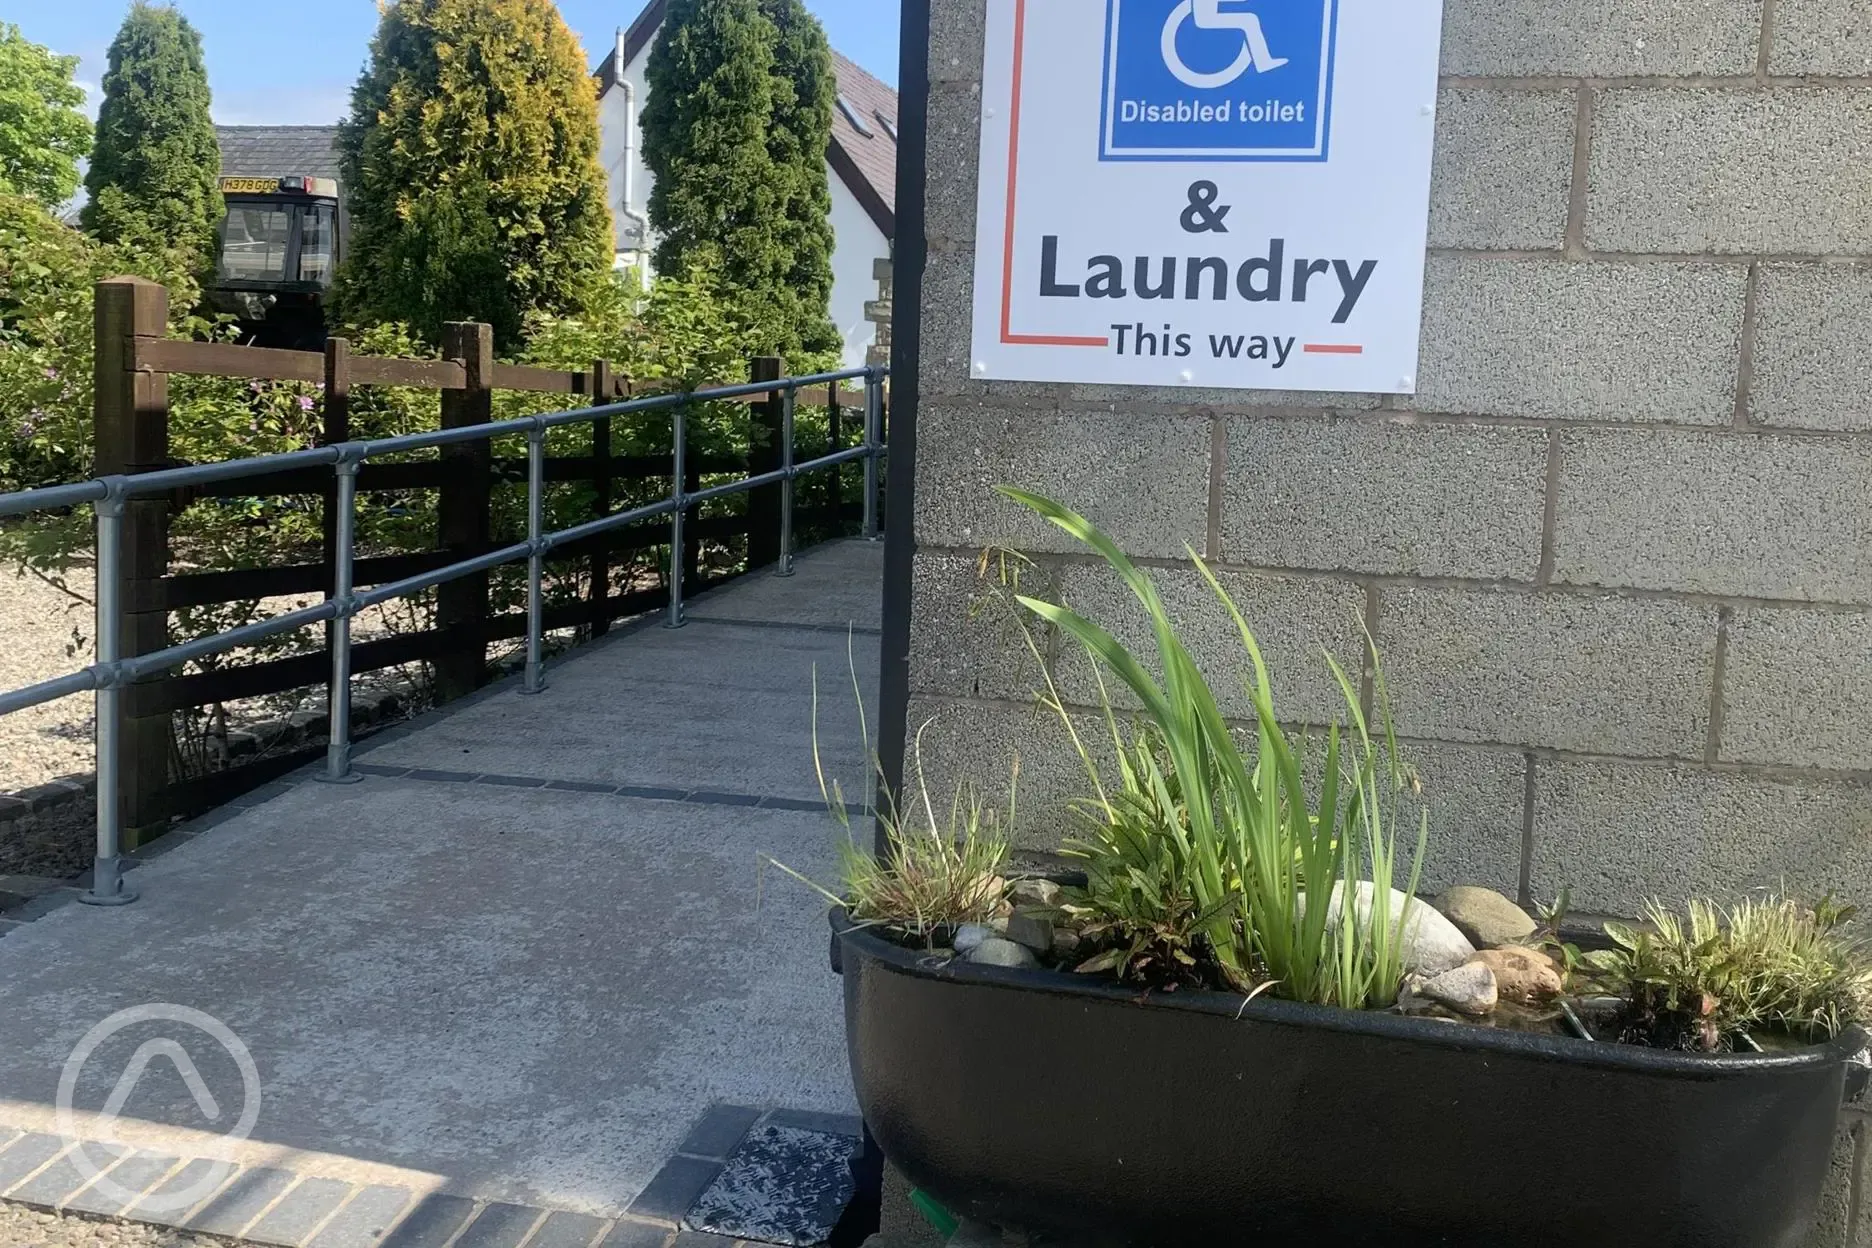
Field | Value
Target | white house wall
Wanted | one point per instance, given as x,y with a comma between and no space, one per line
857,242
857,239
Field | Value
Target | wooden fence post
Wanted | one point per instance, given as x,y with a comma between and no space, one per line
462,512
764,422
130,431
601,502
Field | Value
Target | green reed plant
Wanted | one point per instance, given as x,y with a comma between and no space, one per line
1258,840
942,866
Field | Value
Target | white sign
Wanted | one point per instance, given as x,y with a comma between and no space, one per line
1218,193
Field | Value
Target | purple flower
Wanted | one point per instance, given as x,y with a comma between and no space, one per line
305,403
51,374
255,386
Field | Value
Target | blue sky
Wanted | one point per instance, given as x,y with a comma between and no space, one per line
294,64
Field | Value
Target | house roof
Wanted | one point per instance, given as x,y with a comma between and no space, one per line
865,162
278,151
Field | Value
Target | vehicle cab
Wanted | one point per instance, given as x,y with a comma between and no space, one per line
280,243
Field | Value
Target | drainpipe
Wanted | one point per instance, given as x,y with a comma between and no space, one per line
630,118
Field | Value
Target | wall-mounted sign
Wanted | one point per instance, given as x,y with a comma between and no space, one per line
1219,193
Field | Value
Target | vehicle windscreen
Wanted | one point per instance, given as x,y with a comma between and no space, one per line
253,243
318,239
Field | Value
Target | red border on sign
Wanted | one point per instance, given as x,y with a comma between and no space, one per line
1007,239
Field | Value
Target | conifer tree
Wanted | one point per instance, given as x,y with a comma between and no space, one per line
735,131
155,166
471,167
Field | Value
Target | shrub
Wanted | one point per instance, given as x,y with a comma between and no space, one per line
43,130
471,166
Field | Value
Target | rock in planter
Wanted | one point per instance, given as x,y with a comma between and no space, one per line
995,951
1432,944
1468,989
1035,933
1035,893
970,935
1486,917
1522,975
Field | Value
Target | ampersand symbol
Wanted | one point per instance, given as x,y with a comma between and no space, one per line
1202,216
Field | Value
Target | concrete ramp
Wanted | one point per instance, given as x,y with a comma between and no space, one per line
517,965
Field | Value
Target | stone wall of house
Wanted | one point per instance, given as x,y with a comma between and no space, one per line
1616,550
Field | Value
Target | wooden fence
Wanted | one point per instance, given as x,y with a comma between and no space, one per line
133,364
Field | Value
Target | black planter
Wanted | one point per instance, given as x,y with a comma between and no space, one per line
1042,1101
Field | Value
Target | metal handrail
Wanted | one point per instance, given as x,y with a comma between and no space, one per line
108,496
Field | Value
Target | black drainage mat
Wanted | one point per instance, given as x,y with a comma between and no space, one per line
780,1185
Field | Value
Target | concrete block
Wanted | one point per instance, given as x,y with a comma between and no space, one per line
1600,38
563,1229
55,1185
953,165
1504,168
1822,37
362,1221
956,40
1396,497
1796,685
1475,800
1145,480
1292,618
1619,833
977,744
241,1201
1605,675
26,1155
500,1225
948,319
1811,367
304,1209
122,1184
1756,516
1686,171
1554,339
968,637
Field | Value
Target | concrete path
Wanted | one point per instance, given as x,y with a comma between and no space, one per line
521,960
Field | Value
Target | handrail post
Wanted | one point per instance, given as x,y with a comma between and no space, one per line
784,565
107,885
534,681
344,554
679,436
874,404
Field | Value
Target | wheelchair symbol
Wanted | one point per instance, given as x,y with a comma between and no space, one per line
1209,15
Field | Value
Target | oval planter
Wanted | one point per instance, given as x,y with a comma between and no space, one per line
1043,1101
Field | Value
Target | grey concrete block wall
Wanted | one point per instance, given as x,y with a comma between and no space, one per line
1617,547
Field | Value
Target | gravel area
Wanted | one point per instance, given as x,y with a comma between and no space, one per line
21,1227
46,633
36,622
